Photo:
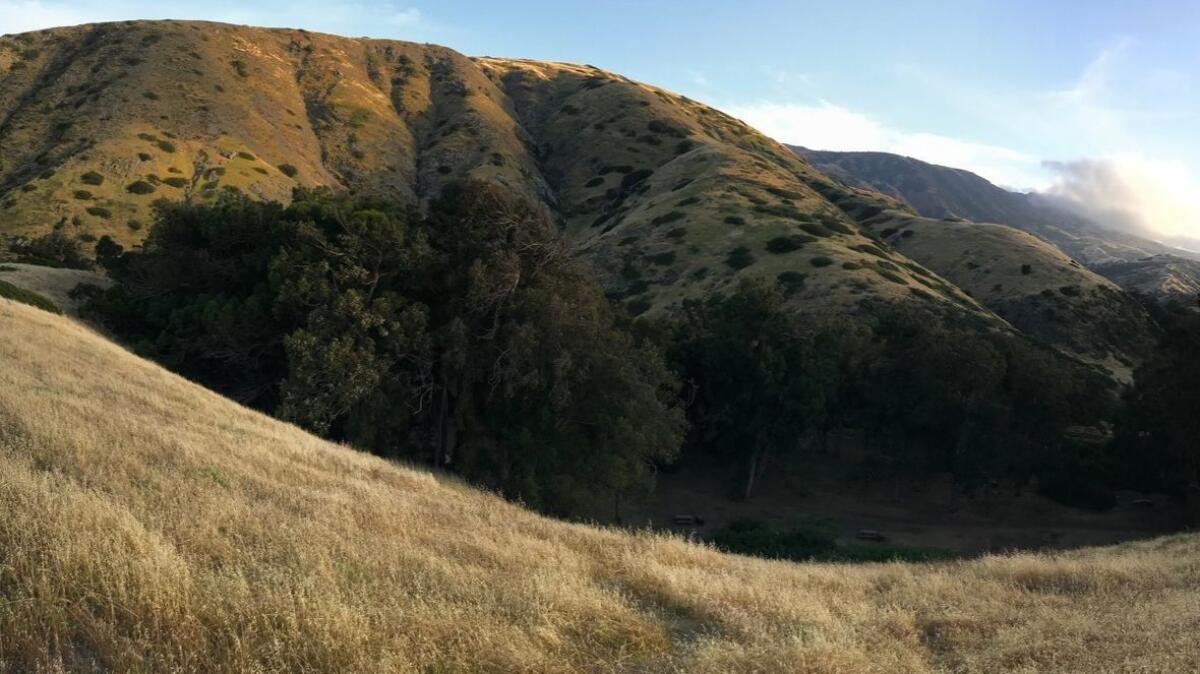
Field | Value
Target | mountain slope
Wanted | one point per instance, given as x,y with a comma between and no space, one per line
1133,262
669,199
149,523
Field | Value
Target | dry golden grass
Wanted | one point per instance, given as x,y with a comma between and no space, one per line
148,525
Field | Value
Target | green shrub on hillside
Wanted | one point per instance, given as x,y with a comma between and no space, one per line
92,178
739,258
821,261
12,292
139,187
175,181
288,170
100,212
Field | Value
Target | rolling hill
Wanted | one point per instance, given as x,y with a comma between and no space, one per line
151,524
1132,262
667,198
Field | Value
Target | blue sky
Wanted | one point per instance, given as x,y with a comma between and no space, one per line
1098,102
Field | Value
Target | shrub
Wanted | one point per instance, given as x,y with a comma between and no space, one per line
100,212
12,292
28,187
635,177
569,109
851,265
92,178
677,233
48,173
907,234
786,244
688,201
82,195
668,127
53,250
791,282
594,182
786,194
240,67
668,217
166,146
150,95
1026,269
134,225
816,230
662,259
821,261
739,258
871,249
175,181
1070,291
139,187
143,156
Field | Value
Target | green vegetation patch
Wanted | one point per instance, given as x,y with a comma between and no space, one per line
12,292
813,543
739,258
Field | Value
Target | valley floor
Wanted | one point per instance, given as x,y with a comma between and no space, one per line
150,525
925,513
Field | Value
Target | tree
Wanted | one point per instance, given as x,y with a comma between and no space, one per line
762,381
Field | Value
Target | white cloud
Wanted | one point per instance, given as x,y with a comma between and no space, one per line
826,126
1131,193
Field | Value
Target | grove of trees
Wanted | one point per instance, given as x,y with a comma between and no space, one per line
467,338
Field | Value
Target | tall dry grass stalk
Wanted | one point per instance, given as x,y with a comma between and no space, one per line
148,525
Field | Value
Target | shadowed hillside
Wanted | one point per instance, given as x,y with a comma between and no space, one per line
150,523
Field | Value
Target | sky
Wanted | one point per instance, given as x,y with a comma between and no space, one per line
1096,103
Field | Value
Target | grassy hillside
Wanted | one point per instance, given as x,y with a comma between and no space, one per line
668,198
1132,262
1033,285
150,524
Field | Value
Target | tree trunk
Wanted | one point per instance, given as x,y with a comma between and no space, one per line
750,475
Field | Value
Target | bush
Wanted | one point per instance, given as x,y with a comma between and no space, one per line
636,177
150,95
786,244
816,230
12,292
821,261
1070,291
735,220
1026,269
662,259
140,187
246,155
52,250
176,182
288,170
791,282
92,178
739,258
240,67
688,201
594,182
100,212
143,156
673,216
82,195
166,146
